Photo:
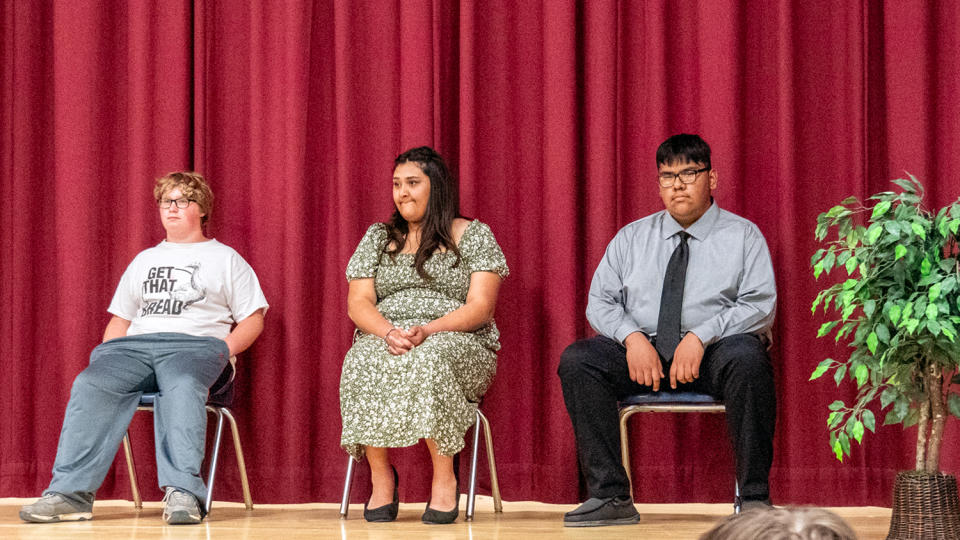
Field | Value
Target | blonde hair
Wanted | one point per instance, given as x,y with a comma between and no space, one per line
192,185
790,523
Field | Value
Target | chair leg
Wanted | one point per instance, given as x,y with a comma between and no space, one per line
212,475
737,501
472,493
241,462
132,472
494,483
347,482
625,415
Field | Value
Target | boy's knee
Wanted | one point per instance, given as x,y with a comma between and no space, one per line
572,359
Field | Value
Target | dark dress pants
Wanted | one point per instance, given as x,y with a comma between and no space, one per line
736,369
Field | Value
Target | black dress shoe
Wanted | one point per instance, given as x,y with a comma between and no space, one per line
436,517
387,512
602,512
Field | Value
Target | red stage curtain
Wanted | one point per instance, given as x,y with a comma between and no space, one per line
549,111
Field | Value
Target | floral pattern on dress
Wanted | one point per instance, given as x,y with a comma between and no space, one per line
431,392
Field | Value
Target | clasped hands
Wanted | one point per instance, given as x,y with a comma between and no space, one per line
400,341
645,368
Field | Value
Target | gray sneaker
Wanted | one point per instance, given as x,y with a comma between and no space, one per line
181,508
602,512
54,507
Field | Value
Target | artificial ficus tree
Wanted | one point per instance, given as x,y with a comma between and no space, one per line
899,311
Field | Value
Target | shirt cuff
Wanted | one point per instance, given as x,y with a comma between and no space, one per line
625,330
707,333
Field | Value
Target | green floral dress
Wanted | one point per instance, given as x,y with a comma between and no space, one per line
431,391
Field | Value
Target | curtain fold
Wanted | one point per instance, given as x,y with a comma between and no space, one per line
550,113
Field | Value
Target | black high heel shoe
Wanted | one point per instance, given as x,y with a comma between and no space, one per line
436,517
387,512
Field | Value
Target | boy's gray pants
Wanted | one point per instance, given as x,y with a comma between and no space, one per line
181,368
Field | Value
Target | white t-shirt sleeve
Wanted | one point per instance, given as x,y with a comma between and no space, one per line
126,299
244,293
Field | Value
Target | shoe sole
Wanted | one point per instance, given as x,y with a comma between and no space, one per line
181,517
37,518
603,522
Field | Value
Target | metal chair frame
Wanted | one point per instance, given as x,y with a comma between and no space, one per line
472,493
221,412
708,405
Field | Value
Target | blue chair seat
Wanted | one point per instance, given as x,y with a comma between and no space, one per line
668,396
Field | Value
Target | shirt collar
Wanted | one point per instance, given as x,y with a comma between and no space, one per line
700,228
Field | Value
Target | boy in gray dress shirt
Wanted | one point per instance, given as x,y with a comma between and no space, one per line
722,299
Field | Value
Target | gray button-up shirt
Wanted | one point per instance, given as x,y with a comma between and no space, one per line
729,287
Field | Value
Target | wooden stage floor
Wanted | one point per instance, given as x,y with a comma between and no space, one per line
519,521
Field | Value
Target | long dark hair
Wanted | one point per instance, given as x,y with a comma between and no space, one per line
443,206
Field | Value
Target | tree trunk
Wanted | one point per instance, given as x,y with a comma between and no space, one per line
938,416
922,435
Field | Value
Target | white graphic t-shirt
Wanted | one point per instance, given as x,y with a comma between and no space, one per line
200,289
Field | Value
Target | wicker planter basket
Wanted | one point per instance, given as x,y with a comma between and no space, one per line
925,506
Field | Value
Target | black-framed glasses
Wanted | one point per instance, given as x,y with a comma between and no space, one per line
687,176
181,203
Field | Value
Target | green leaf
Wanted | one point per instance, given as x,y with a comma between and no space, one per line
882,333
918,230
911,325
892,227
857,431
871,345
948,284
850,200
821,368
868,420
873,233
888,396
831,417
851,265
817,256
826,327
899,252
836,405
838,450
861,373
880,209
821,231
899,411
953,403
839,373
932,312
934,327
835,211
954,225
828,261
817,270
844,443
934,292
925,267
869,307
907,185
894,314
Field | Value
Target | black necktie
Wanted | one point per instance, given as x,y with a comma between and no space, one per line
671,300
